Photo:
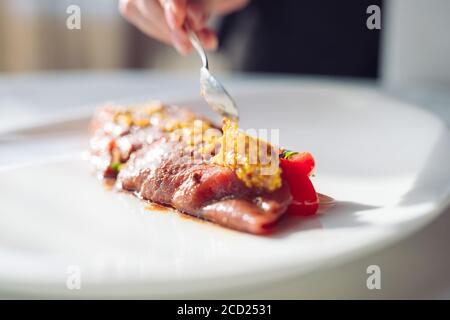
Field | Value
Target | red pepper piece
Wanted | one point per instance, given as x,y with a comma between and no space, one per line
296,169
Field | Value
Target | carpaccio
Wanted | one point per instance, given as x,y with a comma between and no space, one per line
170,156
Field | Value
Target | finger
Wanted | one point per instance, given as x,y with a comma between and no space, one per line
181,41
132,14
153,12
175,12
197,16
208,38
227,6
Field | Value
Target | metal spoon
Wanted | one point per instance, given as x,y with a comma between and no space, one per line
210,88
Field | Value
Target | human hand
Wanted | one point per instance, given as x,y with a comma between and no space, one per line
164,20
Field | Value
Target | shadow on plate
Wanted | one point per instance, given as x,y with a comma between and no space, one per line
341,214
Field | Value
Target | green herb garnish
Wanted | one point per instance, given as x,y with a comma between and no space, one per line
287,154
115,166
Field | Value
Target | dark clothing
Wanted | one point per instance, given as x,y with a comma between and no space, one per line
323,37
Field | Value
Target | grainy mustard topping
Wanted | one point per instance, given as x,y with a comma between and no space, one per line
254,161
138,115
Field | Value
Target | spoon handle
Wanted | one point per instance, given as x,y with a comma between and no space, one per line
197,45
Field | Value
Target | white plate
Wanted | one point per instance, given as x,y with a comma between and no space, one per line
385,162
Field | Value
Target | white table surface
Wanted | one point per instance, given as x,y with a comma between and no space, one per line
416,267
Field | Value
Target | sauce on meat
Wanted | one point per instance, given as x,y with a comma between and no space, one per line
156,206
